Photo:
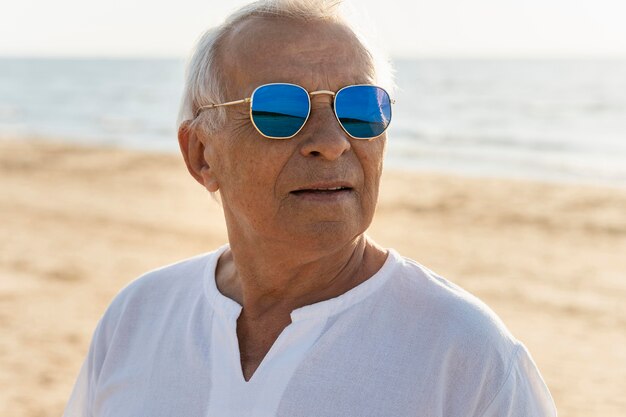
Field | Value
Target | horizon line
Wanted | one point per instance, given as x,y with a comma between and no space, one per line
398,57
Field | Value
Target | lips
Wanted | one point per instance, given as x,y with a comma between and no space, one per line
329,188
324,192
321,190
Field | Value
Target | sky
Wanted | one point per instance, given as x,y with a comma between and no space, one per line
402,28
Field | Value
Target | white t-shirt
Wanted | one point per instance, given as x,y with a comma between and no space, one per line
403,343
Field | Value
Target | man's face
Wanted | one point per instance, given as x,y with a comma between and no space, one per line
275,188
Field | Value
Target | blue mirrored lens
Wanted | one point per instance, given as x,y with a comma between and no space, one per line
280,110
363,110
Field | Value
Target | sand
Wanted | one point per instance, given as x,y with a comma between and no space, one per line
79,223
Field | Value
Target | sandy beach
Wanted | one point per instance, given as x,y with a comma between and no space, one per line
80,223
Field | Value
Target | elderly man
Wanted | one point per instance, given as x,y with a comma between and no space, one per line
301,314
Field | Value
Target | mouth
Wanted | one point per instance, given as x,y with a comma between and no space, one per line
323,192
329,190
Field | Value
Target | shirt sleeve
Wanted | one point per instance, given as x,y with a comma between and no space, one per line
524,393
79,404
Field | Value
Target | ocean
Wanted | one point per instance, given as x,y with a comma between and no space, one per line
550,120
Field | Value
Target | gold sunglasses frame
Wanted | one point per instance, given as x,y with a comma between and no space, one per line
309,95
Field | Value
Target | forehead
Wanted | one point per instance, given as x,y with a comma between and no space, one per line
315,55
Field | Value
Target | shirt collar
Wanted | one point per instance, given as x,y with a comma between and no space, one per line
230,309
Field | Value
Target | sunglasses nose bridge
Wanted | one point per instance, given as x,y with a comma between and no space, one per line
322,92
321,96
322,111
322,106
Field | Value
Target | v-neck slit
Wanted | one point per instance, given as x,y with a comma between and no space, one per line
267,358
261,394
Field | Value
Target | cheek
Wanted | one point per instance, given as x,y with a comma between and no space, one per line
250,168
371,155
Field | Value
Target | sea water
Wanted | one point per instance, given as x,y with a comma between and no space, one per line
561,120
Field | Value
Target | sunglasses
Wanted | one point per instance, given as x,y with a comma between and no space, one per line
280,110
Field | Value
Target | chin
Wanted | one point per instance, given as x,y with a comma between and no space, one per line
326,235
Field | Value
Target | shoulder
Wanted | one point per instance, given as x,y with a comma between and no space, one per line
459,315
166,281
159,294
458,330
149,314
466,342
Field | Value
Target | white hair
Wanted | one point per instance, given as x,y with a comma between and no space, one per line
203,77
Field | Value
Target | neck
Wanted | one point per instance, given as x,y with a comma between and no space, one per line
276,281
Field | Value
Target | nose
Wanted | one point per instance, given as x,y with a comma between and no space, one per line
323,136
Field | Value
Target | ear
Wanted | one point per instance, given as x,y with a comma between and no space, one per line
193,150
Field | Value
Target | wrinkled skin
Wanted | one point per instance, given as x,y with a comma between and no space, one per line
289,249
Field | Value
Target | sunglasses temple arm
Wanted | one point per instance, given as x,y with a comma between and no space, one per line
230,103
